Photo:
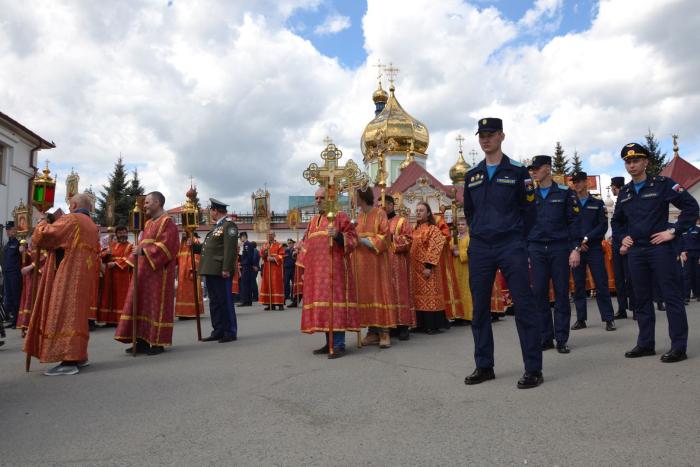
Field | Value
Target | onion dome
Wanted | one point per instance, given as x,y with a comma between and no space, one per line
458,172
380,96
394,123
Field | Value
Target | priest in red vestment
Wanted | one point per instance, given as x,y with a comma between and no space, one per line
454,308
400,259
272,277
157,259
329,288
27,270
116,277
426,274
376,297
184,297
58,327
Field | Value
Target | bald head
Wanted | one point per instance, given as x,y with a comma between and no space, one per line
80,201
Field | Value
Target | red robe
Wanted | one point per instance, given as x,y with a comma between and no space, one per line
298,286
401,237
272,277
427,247
450,285
96,288
156,286
58,327
184,298
376,297
328,282
235,287
25,301
115,282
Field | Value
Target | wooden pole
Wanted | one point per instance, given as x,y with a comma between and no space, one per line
195,281
35,279
134,303
269,276
330,314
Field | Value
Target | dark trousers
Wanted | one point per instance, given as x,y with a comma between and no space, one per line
691,275
657,263
288,282
254,286
12,291
594,258
551,261
511,257
623,280
245,287
221,307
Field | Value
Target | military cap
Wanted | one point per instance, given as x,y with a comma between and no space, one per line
10,225
539,161
617,181
633,150
579,177
217,205
490,125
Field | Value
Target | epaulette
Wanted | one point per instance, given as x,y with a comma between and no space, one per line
563,187
594,196
659,178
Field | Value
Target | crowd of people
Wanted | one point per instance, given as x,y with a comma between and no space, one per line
523,242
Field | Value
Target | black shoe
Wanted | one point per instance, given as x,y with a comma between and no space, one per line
686,301
610,326
141,347
281,307
155,350
267,308
293,304
322,351
479,376
579,324
547,345
228,339
637,352
245,304
404,335
673,356
622,314
337,353
563,348
660,306
211,339
531,379
495,317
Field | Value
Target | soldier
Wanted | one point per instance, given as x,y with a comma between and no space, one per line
247,279
217,264
641,219
12,276
621,269
552,247
498,203
690,254
593,224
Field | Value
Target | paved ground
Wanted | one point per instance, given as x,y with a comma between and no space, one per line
266,400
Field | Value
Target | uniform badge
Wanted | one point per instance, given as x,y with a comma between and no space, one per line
233,231
484,122
630,152
577,209
530,197
677,188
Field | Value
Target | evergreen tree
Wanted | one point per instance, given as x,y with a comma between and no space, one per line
657,161
115,188
560,164
576,164
133,190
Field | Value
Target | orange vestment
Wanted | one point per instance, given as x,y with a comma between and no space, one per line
184,297
400,258
115,282
376,297
271,279
453,299
426,248
58,328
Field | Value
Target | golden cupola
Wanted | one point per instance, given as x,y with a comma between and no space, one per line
393,124
458,172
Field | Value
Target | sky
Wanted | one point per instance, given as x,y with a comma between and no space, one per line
240,95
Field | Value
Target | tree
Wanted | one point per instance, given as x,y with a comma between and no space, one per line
135,189
576,164
657,161
116,188
560,164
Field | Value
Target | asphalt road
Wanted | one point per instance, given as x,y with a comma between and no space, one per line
266,400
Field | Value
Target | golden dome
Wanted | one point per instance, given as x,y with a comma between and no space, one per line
458,172
394,123
380,95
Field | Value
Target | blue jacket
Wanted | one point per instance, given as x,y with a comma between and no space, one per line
500,208
593,221
556,216
690,240
11,257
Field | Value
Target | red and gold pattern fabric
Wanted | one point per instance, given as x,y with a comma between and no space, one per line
235,286
426,248
272,277
453,300
607,249
400,259
329,286
58,327
184,296
461,266
500,295
96,287
25,301
156,286
376,297
115,282
298,286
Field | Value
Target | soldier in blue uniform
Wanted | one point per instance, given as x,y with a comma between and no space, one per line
12,275
289,265
593,224
641,218
552,247
621,269
245,285
690,254
498,204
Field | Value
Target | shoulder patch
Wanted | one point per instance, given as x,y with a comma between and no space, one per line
232,230
678,188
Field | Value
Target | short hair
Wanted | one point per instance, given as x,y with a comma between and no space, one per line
389,199
158,196
243,234
366,195
120,228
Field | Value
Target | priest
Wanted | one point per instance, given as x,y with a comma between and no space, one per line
116,277
272,280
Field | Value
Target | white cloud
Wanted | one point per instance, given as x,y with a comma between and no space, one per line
333,24
542,11
601,160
